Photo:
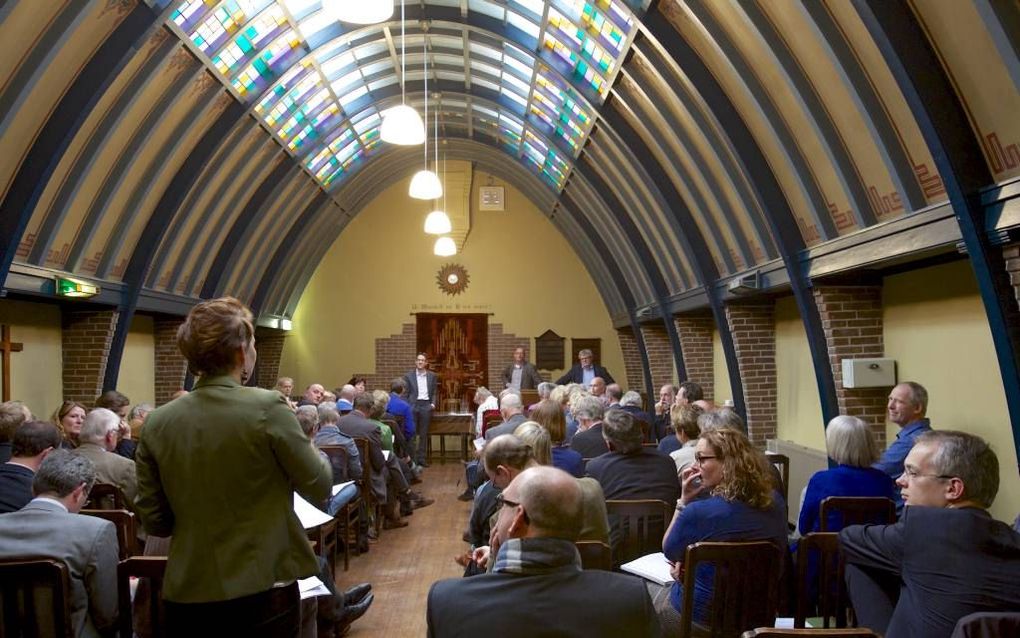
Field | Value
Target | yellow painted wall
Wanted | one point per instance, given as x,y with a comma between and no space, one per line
137,377
799,411
36,371
935,328
381,269
721,376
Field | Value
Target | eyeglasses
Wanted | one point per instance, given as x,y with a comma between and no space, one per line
701,458
501,502
912,474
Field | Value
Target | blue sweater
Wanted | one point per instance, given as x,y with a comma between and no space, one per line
842,480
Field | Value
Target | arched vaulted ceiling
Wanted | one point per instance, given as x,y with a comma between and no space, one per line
174,150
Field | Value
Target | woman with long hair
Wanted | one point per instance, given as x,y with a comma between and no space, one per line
69,418
549,414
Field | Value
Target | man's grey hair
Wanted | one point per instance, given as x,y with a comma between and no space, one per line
850,442
545,388
482,392
584,353
61,472
139,411
631,398
918,395
97,423
328,413
622,431
511,401
967,457
721,418
507,392
588,407
308,417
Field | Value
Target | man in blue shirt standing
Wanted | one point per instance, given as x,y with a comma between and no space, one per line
908,403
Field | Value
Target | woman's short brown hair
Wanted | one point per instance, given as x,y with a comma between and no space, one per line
212,333
549,413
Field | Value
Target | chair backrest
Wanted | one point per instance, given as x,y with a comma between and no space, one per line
637,527
338,461
594,555
105,496
745,587
775,632
127,529
490,418
820,575
529,397
987,623
148,600
782,463
855,510
36,597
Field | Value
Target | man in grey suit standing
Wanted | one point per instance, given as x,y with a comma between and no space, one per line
421,385
521,374
51,526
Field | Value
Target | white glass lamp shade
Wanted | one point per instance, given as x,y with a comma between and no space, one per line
445,247
403,126
425,185
359,11
438,223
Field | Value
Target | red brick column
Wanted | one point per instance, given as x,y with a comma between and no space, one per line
170,364
269,345
86,339
631,360
695,333
753,326
852,321
660,355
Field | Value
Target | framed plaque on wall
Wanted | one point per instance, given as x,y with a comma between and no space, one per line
549,351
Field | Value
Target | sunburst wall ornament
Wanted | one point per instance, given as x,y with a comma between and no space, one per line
452,279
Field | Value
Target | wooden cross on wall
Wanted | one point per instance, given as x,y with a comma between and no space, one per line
6,348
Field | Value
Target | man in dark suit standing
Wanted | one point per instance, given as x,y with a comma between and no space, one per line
584,371
421,386
521,374
947,557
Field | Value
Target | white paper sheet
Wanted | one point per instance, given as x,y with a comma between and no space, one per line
309,515
479,443
312,586
340,486
653,567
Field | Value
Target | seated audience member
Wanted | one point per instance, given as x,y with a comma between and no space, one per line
946,557
537,580
12,415
345,399
727,495
631,403
598,390
685,423
285,386
544,392
98,441
629,470
119,404
485,402
359,384
50,526
852,446
537,438
33,440
328,396
313,395
379,401
136,419
689,392
549,414
401,409
512,411
308,418
908,403
613,395
667,394
69,418
588,441
328,434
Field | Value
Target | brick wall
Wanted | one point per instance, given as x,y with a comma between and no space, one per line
631,360
170,365
394,355
696,342
852,321
269,345
86,339
501,353
753,326
660,357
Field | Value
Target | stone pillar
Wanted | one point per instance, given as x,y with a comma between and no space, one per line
753,326
660,355
86,339
269,345
695,333
631,360
852,321
170,364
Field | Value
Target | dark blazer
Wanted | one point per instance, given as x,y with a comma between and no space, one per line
15,487
948,563
589,443
645,474
564,602
574,375
506,427
411,383
355,425
529,376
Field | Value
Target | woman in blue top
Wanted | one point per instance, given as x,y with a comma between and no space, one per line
727,495
549,414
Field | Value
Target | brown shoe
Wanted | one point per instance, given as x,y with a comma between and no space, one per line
390,523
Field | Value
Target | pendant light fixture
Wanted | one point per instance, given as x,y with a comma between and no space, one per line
445,247
402,125
359,11
425,183
438,222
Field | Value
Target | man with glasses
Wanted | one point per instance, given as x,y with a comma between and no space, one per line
947,557
585,371
537,581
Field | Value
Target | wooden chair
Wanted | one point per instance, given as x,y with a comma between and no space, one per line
148,597
856,510
325,537
782,463
774,632
637,527
490,418
348,517
595,555
127,529
821,550
105,496
365,485
745,586
35,593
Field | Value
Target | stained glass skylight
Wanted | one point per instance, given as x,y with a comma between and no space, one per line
532,85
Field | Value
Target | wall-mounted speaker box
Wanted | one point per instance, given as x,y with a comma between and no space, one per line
869,373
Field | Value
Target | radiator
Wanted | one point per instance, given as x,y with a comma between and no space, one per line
804,462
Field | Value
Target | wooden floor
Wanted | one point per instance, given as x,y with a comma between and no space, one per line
405,562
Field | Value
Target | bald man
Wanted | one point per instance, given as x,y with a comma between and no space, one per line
537,580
